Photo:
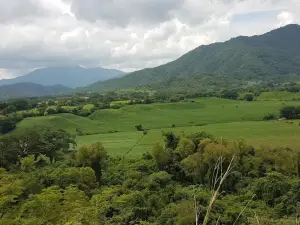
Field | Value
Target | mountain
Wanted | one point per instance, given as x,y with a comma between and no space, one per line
274,54
67,76
21,90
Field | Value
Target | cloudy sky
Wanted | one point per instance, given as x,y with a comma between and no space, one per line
125,34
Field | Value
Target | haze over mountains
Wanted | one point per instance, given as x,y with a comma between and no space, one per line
274,54
67,76
21,90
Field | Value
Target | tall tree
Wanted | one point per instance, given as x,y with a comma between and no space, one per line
94,156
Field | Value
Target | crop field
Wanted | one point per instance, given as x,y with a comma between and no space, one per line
261,133
68,122
228,119
197,113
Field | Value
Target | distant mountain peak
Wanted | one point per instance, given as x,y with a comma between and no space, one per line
71,76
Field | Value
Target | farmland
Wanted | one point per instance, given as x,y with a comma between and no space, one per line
229,119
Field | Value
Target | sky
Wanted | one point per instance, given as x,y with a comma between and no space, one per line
125,34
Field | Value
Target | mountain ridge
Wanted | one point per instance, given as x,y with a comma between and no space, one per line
275,53
72,77
27,90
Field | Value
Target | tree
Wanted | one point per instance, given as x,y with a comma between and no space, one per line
21,104
9,109
161,177
229,94
193,167
290,112
6,125
249,97
50,102
3,105
271,187
28,163
161,157
52,142
185,147
21,144
171,140
94,156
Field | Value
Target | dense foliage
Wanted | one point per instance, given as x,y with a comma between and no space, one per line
170,185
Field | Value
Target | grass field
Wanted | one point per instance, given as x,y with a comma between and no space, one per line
276,95
233,120
270,133
200,112
68,122
197,113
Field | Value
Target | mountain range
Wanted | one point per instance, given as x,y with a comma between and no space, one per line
273,54
27,90
67,76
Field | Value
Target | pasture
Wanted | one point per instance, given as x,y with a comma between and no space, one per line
258,133
232,120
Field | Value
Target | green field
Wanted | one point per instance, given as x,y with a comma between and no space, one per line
270,134
192,113
68,122
200,112
281,96
229,119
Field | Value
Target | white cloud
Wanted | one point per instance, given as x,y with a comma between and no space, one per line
285,18
126,35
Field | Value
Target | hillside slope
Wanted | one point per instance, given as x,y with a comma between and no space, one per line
276,53
21,90
67,76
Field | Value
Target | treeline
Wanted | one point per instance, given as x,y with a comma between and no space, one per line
12,112
46,182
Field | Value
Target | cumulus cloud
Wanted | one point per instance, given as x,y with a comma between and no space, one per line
285,18
126,35
123,12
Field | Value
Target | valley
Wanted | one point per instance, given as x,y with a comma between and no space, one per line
209,138
223,118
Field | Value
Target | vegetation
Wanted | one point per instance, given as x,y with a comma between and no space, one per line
267,60
184,180
195,144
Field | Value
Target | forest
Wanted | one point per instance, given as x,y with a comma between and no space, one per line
191,179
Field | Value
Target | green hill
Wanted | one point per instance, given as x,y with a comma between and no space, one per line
198,112
271,55
68,122
22,90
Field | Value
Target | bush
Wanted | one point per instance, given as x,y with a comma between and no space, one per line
269,116
6,126
229,94
79,132
139,127
249,97
290,112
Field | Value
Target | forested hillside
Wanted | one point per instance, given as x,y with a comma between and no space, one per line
23,90
273,55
